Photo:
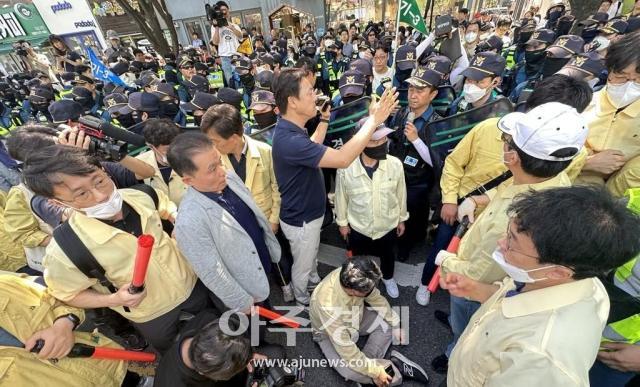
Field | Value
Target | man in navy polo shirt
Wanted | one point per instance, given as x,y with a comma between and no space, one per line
297,159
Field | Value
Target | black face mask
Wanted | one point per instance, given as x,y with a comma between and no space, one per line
369,89
351,98
553,65
248,81
265,120
402,75
534,61
588,34
197,120
329,56
377,152
310,51
555,15
168,110
125,121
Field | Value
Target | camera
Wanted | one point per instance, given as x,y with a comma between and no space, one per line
215,15
108,142
276,376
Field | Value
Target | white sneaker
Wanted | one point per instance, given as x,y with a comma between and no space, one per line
423,295
392,288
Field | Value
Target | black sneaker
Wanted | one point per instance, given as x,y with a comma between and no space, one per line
409,368
443,318
440,364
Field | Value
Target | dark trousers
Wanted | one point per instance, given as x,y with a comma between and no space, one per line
443,237
383,248
416,225
162,331
281,272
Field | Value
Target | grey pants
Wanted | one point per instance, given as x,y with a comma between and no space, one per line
376,347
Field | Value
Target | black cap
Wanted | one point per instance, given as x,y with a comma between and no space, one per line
439,63
148,80
197,83
68,76
41,95
277,58
230,96
185,61
543,35
33,83
262,97
566,46
113,88
352,82
589,63
615,26
120,68
65,110
406,57
424,77
242,63
163,90
264,80
201,66
633,24
79,94
495,43
115,101
200,101
598,17
363,66
82,79
485,64
142,102
266,59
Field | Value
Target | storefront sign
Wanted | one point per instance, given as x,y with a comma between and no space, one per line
21,22
61,6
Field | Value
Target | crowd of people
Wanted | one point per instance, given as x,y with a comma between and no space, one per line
518,137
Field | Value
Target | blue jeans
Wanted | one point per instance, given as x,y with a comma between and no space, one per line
461,312
445,233
601,375
227,69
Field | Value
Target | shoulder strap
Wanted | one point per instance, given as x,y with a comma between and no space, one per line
149,191
80,256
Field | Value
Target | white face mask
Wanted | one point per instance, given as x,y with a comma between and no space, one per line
516,273
159,156
504,160
362,55
506,41
473,93
470,37
106,210
624,94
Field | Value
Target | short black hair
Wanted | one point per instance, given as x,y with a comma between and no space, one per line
624,53
360,273
464,10
42,169
182,150
581,227
504,21
287,84
222,4
160,131
306,63
137,51
542,168
561,88
217,355
29,138
472,22
383,47
224,119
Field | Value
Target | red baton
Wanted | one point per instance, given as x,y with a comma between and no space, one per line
277,318
454,244
143,255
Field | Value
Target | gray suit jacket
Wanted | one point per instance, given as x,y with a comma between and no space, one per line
221,252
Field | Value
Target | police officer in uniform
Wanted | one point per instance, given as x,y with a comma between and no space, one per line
196,108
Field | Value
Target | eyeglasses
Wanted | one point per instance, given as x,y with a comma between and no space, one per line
509,244
102,184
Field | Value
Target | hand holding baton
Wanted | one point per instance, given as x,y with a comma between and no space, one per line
80,350
452,248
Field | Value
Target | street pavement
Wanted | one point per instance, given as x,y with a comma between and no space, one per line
427,337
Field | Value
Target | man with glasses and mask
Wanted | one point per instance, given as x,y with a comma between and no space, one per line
543,323
108,221
614,122
538,146
186,71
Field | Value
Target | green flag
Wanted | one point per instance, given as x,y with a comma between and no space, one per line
410,14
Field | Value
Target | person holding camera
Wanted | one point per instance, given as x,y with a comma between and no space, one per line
209,353
225,35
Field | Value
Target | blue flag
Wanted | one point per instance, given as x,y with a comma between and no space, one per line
102,72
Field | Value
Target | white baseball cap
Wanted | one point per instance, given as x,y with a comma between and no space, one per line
381,131
546,129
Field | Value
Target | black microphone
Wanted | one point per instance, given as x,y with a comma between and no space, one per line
113,131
